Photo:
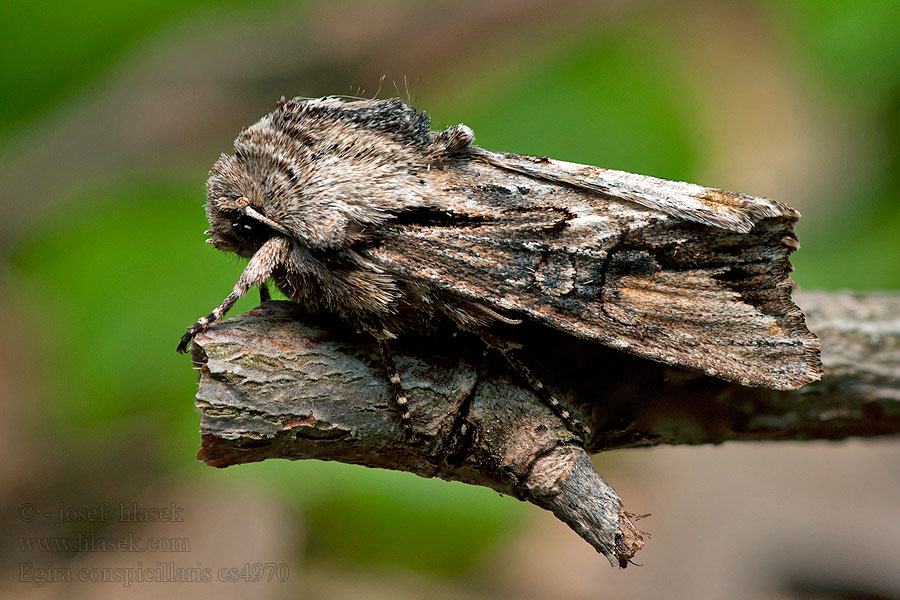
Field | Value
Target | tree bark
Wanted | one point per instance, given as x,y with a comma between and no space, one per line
275,383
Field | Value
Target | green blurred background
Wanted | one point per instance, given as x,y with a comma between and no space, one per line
111,114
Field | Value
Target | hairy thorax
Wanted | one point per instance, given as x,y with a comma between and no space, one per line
345,284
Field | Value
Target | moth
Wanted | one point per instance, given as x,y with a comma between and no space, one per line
358,209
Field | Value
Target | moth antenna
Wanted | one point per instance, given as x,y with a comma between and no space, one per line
251,212
500,317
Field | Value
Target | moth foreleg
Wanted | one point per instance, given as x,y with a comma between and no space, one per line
264,293
401,403
257,271
573,424
203,322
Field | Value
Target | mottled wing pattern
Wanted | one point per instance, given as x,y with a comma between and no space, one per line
606,268
686,201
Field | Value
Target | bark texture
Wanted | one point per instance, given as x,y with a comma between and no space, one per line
278,384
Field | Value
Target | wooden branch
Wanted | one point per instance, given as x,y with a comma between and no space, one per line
276,384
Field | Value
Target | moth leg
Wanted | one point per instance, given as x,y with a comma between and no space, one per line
264,293
573,424
477,319
257,271
400,401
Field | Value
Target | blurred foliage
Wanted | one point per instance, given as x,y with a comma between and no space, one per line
852,52
854,47
103,275
60,47
388,518
565,107
115,278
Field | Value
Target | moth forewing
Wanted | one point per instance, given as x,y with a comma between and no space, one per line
676,281
687,201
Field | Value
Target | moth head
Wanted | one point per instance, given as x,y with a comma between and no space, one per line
235,208
325,173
